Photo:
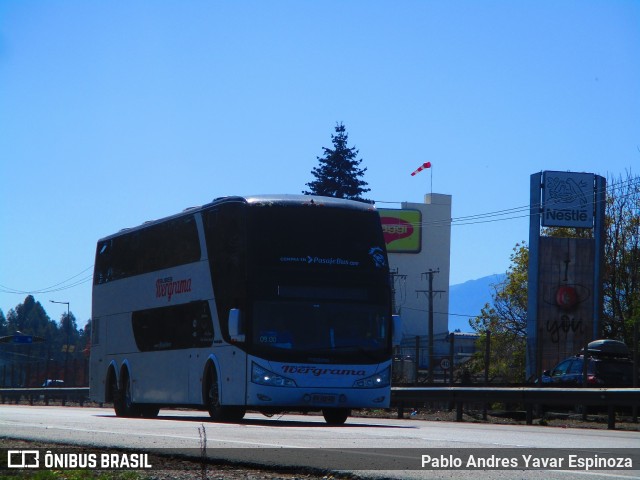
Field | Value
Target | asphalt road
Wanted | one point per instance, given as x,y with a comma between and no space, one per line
256,439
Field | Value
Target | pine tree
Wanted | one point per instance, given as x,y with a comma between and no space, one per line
338,174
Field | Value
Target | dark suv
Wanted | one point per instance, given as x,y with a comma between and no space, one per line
609,365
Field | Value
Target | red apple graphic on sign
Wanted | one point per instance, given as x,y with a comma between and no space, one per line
566,297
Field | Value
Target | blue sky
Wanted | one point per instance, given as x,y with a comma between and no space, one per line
114,113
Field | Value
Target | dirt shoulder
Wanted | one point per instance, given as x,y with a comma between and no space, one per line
516,417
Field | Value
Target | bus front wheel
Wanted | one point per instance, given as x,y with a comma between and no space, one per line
336,416
217,412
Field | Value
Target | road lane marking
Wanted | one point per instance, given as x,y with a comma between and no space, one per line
142,434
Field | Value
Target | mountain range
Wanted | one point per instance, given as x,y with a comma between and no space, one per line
468,298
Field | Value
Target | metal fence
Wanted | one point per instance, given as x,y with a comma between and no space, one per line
417,361
74,372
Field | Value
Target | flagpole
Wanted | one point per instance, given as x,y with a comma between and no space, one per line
422,167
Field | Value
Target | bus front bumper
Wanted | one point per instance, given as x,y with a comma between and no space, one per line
317,397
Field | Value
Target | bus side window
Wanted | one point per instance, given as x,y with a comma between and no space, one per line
174,327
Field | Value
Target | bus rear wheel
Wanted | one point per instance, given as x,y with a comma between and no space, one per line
122,403
217,412
336,416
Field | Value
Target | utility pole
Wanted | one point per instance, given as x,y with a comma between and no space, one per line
394,274
430,293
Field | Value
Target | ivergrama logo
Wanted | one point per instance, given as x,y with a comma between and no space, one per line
319,371
166,287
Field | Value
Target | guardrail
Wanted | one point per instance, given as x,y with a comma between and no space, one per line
405,397
64,394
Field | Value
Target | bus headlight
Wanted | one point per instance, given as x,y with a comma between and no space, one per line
262,376
380,379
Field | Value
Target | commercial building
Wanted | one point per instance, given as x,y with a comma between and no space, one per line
418,237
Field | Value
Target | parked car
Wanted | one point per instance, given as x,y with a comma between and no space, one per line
53,383
609,365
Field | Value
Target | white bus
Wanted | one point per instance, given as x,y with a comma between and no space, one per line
265,303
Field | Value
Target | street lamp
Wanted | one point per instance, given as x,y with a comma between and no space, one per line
66,355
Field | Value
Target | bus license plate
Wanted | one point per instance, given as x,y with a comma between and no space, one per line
324,399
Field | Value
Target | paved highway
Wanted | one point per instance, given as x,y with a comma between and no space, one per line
176,429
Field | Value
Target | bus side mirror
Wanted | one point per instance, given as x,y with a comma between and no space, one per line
396,338
236,325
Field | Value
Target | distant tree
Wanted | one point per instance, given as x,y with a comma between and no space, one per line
85,338
3,324
339,173
54,354
622,264
68,333
29,318
507,322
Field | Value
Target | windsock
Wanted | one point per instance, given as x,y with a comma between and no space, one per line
421,167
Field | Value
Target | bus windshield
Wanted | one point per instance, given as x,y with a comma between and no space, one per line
326,330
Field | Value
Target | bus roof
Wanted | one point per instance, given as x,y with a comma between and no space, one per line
308,200
258,200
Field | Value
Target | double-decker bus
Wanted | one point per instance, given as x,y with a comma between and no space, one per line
267,303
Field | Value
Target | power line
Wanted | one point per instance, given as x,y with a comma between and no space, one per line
57,287
442,313
457,314
487,217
